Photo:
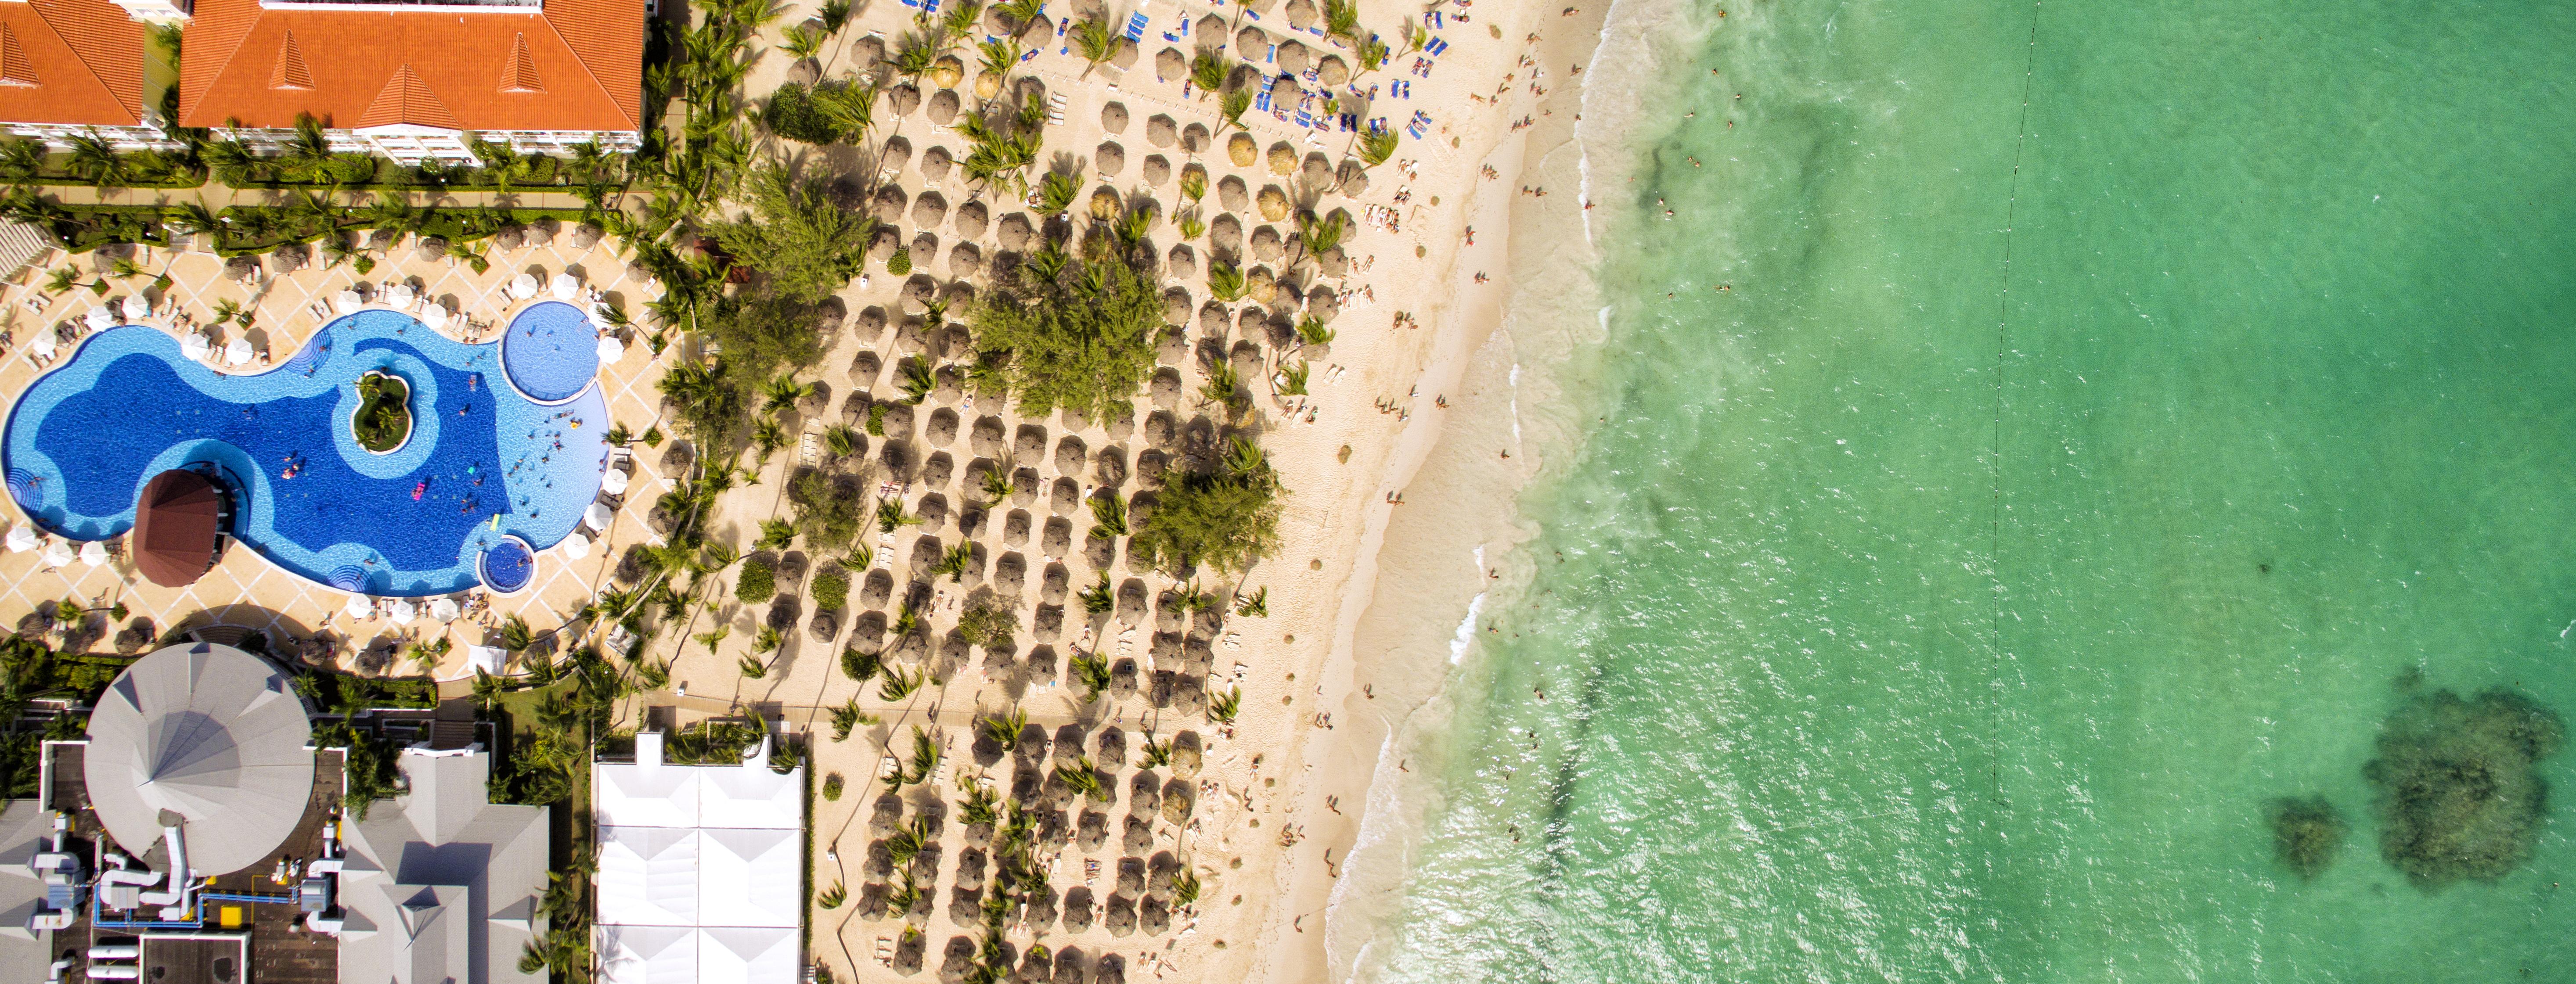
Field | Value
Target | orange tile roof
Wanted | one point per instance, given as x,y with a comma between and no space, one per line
572,65
77,62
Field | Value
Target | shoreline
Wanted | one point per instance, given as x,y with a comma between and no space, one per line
1421,583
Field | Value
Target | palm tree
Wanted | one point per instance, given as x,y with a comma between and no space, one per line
925,758
891,514
1004,729
804,41
776,534
767,437
847,717
1096,40
899,684
1376,146
1316,236
780,394
955,562
1188,221
915,53
1081,777
842,440
1223,707
753,669
1225,282
1099,598
1312,331
1230,108
997,487
96,159
1255,606
1092,671
1208,72
1342,19
1222,382
515,634
1108,516
1291,380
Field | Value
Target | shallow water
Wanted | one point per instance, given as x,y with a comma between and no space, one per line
2053,488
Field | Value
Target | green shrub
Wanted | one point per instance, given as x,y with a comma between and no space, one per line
831,590
759,583
900,263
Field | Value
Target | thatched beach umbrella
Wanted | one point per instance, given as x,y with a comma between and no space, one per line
903,99
1333,72
971,220
1182,262
943,107
1273,203
1158,170
935,163
1170,64
1250,43
1109,158
1015,231
1293,57
929,210
1113,117
1302,15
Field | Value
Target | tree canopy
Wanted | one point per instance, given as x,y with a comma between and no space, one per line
1071,333
1227,518
804,245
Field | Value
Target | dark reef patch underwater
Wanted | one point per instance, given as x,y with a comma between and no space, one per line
2459,791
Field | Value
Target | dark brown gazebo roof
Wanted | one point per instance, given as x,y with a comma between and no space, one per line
175,524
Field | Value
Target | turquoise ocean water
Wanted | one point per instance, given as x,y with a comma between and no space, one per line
2054,487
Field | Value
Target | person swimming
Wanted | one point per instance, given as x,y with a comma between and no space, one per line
416,490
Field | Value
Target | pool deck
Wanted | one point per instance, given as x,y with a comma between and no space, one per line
246,589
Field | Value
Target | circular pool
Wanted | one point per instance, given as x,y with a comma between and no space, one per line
550,352
508,566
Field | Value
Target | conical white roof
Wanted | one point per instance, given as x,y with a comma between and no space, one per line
211,734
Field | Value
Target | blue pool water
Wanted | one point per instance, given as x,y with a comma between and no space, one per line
551,351
86,436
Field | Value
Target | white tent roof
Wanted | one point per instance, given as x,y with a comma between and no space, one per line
565,285
750,796
649,876
740,872
740,955
648,955
211,733
489,659
638,797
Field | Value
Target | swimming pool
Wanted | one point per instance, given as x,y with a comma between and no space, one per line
483,462
550,352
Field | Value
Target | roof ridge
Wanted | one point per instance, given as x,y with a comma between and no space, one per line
42,17
231,46
634,117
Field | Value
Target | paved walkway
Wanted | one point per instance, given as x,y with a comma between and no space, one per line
215,195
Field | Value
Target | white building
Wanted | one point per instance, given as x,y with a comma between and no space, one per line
701,870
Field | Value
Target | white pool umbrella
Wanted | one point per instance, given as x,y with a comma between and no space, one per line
358,607
445,610
576,546
94,553
237,352
598,517
99,317
43,343
613,483
610,350
523,286
347,302
194,346
57,553
23,538
398,295
435,316
136,308
404,612
564,287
